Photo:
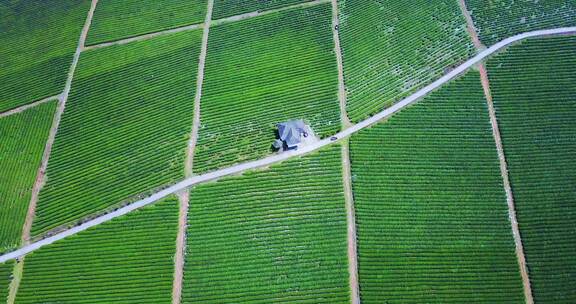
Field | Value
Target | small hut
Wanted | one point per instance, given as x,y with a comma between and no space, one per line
290,134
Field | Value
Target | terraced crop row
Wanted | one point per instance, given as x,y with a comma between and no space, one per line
499,19
226,8
430,206
274,235
263,71
22,140
115,20
38,42
125,128
126,260
5,278
391,49
534,91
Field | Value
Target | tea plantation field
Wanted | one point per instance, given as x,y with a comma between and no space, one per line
5,273
391,49
22,140
126,260
498,19
534,90
38,40
226,8
262,71
125,129
431,211
275,235
115,20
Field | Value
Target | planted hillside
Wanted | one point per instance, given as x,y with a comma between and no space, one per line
500,19
534,91
273,235
39,39
391,49
263,71
114,20
125,129
22,140
431,211
126,260
5,278
226,8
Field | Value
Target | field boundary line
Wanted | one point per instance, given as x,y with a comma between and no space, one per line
202,25
184,196
144,37
27,106
346,170
267,12
41,173
239,168
519,248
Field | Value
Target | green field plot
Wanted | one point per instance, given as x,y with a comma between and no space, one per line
226,8
126,260
431,211
22,140
125,129
534,91
5,278
38,42
260,72
496,20
115,20
390,49
274,235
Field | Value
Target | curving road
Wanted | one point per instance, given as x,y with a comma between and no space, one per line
289,154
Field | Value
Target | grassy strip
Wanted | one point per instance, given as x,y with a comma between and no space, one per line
227,8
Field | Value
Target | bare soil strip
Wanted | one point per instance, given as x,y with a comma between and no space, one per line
351,224
267,12
346,171
276,158
507,189
183,199
470,26
338,51
184,196
502,158
143,37
41,174
28,106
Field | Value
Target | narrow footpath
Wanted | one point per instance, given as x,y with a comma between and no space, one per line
346,170
519,248
184,195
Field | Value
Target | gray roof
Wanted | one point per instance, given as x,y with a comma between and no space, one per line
290,131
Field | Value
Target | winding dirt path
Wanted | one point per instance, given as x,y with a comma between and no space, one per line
519,248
